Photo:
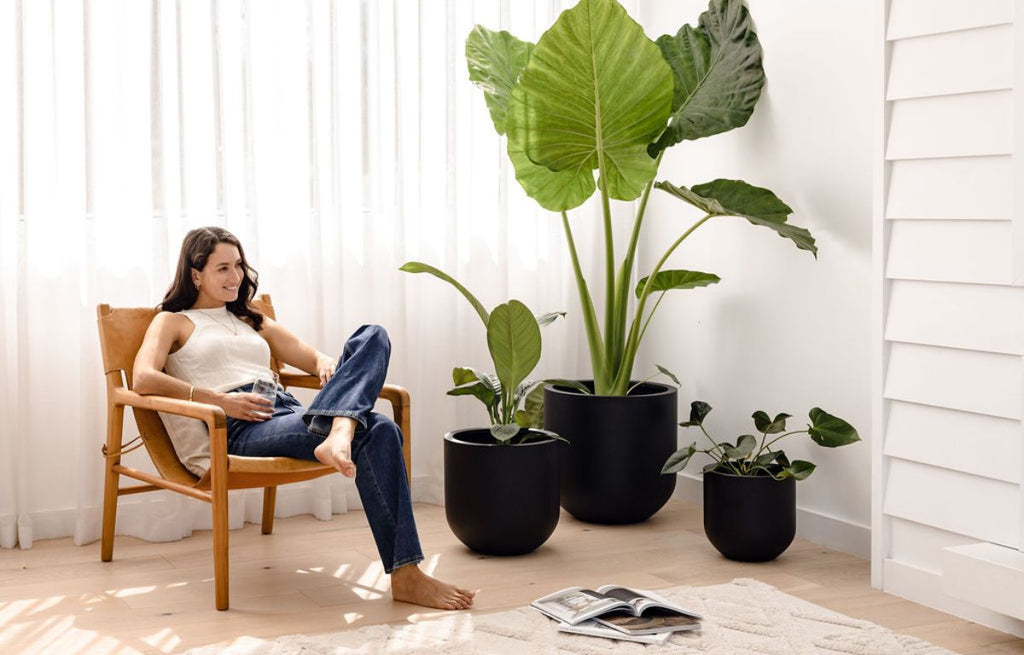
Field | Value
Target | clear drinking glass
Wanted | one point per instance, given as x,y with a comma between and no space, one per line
267,387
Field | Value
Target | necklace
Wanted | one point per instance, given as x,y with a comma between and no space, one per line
230,325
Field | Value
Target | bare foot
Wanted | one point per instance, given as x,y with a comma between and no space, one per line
411,585
336,451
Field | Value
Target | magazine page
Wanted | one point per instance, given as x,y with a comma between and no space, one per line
653,622
642,601
576,604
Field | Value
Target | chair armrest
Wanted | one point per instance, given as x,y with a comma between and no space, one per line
396,395
211,414
301,380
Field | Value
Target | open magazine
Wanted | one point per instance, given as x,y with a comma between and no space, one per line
625,610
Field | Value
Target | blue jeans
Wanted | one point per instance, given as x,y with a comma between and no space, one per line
294,431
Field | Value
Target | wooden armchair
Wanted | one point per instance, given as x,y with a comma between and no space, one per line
121,333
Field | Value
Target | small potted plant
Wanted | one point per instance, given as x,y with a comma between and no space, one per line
750,486
501,484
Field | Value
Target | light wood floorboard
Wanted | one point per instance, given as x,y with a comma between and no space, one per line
312,576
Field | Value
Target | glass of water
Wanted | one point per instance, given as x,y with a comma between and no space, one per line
266,387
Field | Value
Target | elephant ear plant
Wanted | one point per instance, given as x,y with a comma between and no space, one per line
595,94
749,457
513,403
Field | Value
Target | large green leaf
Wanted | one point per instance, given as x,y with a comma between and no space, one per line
595,93
830,431
513,338
717,71
678,279
495,60
737,198
553,190
420,267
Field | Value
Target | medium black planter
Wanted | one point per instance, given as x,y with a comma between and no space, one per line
747,518
611,468
500,500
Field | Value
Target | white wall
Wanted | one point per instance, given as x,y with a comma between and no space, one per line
782,332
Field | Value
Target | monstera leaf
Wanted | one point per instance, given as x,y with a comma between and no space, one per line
717,72
595,93
831,431
737,198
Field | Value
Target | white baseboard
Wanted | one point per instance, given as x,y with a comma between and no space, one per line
813,526
427,490
925,588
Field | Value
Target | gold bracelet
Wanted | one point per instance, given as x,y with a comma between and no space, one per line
191,392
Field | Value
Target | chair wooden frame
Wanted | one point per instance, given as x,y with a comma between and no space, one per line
121,333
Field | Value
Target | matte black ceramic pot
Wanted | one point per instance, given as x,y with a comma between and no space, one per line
500,500
611,468
749,519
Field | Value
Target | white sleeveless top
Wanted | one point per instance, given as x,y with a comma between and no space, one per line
223,353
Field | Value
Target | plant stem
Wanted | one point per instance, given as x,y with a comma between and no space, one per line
783,435
633,341
587,305
625,275
612,353
643,330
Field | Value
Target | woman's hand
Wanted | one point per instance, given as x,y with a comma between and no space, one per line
247,406
324,368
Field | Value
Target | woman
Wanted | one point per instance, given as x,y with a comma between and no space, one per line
213,345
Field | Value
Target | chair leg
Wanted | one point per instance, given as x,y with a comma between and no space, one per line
269,500
115,421
219,502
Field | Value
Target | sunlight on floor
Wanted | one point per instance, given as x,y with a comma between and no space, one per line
131,591
373,583
165,639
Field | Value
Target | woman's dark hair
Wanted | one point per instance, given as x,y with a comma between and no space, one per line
195,251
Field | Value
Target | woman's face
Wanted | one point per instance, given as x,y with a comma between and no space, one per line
218,281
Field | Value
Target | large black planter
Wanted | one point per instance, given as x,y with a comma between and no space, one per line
611,468
500,500
749,519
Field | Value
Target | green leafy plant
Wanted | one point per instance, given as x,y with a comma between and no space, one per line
513,403
594,93
752,458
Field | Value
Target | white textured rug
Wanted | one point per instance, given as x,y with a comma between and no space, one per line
743,617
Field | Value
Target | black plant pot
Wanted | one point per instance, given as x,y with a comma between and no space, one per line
611,468
749,519
500,500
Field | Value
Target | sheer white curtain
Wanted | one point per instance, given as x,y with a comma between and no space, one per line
336,138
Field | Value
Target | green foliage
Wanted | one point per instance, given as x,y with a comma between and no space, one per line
595,95
513,404
748,457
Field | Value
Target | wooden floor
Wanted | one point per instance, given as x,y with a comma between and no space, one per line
312,576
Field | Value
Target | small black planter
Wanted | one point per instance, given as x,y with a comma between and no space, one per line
611,472
500,500
749,519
